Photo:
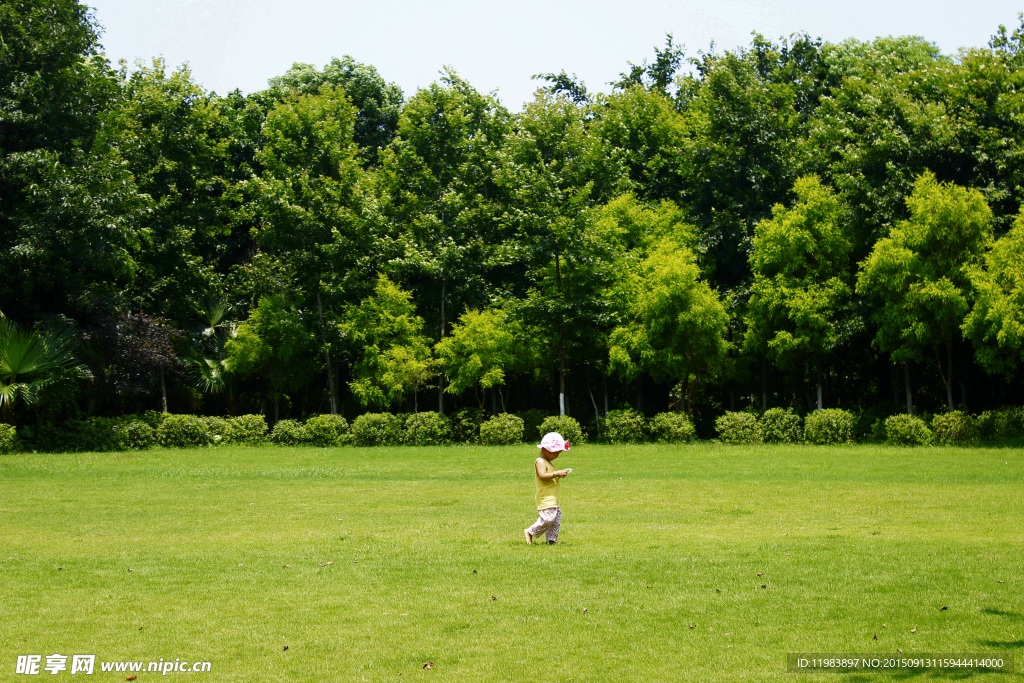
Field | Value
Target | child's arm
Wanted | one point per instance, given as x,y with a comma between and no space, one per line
547,476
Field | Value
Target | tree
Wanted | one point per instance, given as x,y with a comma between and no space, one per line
132,353
918,276
275,345
438,182
32,360
676,325
309,206
387,337
996,322
799,301
207,357
481,348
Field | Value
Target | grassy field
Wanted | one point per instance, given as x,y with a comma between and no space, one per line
676,563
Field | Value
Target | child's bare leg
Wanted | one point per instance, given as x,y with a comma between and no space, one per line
529,538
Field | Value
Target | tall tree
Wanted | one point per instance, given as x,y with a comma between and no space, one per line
799,301
918,276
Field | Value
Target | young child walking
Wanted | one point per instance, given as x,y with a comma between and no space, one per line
550,514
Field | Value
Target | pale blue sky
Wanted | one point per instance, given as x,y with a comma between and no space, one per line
499,45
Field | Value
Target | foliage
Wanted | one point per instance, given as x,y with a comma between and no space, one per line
625,426
377,429
184,431
781,426
481,346
394,356
567,426
133,435
466,424
289,433
502,430
1009,422
907,430
678,323
671,427
428,428
326,430
739,428
8,434
955,429
829,426
532,420
31,361
249,430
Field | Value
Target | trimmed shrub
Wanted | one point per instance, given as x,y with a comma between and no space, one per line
955,429
502,430
532,420
568,427
8,434
289,433
466,424
738,428
429,428
1009,422
133,435
780,426
987,424
671,428
326,430
153,418
183,431
907,430
249,430
377,429
625,426
218,429
832,425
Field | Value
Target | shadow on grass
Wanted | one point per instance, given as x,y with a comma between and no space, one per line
1002,613
1008,644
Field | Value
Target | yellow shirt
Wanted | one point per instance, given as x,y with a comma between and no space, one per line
547,490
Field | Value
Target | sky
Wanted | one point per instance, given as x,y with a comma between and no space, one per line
498,46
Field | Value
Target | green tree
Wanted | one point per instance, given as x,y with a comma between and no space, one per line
799,301
386,335
275,345
481,349
918,276
996,322
308,206
677,323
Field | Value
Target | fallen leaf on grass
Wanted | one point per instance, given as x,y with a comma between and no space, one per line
59,568
693,625
285,647
321,564
913,630
876,637
898,650
494,597
764,585
586,611
131,678
131,570
239,564
474,571
1002,582
885,625
428,666
330,563
760,574
287,566
943,607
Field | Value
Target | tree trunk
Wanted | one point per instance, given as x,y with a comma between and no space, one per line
163,392
415,417
494,400
327,357
440,380
764,384
947,377
817,369
561,341
910,396
605,380
597,413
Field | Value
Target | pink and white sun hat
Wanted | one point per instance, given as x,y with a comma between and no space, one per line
553,441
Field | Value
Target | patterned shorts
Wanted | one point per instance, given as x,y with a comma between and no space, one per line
549,522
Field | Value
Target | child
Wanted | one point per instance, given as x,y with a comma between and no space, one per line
550,520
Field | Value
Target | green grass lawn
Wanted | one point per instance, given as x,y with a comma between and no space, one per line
676,563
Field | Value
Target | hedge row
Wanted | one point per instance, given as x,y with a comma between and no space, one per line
840,426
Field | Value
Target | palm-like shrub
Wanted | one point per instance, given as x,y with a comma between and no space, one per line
31,360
